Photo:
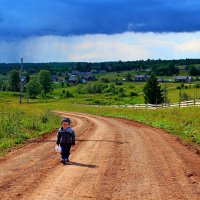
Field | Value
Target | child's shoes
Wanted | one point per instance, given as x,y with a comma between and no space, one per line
63,161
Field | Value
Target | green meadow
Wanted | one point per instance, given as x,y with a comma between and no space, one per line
125,98
21,122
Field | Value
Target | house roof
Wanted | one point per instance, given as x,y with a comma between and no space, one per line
181,77
72,79
140,76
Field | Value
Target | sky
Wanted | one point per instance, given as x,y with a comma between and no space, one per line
98,30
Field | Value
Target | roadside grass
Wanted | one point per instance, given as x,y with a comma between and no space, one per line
21,122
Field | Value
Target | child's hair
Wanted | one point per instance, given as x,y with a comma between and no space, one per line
66,120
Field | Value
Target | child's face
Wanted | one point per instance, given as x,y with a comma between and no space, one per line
65,125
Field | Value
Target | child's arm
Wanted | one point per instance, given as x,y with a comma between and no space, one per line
73,137
58,138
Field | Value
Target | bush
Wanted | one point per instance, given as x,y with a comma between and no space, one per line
185,97
121,94
105,80
67,94
197,85
97,101
131,86
133,94
3,88
44,118
118,83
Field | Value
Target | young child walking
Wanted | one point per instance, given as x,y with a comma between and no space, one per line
65,138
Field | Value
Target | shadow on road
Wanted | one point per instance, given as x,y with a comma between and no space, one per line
117,142
43,141
82,165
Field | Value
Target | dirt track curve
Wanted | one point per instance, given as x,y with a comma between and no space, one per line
112,159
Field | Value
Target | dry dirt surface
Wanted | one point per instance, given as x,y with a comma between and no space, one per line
113,159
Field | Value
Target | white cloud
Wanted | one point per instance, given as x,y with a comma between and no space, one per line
190,46
100,47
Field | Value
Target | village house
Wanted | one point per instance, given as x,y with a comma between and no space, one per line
102,71
72,79
78,73
161,80
185,79
94,71
89,78
141,78
54,78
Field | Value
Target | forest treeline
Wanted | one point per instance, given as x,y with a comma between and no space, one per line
160,67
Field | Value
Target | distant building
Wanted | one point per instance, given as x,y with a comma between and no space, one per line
185,79
161,80
141,78
89,78
102,71
54,78
94,71
78,73
72,79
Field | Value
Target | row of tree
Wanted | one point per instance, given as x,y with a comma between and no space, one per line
194,70
158,66
101,88
42,84
38,84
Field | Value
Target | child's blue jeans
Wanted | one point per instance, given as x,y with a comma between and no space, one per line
65,150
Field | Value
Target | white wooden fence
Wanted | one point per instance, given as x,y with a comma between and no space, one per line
167,105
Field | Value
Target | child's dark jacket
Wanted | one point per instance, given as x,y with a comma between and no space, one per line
66,136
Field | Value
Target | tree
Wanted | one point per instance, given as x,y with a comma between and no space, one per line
34,87
152,91
128,77
45,81
14,81
172,69
1,82
194,71
121,92
27,77
79,67
88,67
103,66
184,97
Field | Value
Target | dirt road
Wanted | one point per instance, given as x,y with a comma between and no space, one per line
112,159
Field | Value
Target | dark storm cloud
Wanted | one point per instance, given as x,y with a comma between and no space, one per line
25,18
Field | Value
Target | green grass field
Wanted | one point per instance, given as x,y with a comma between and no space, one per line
21,122
128,87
